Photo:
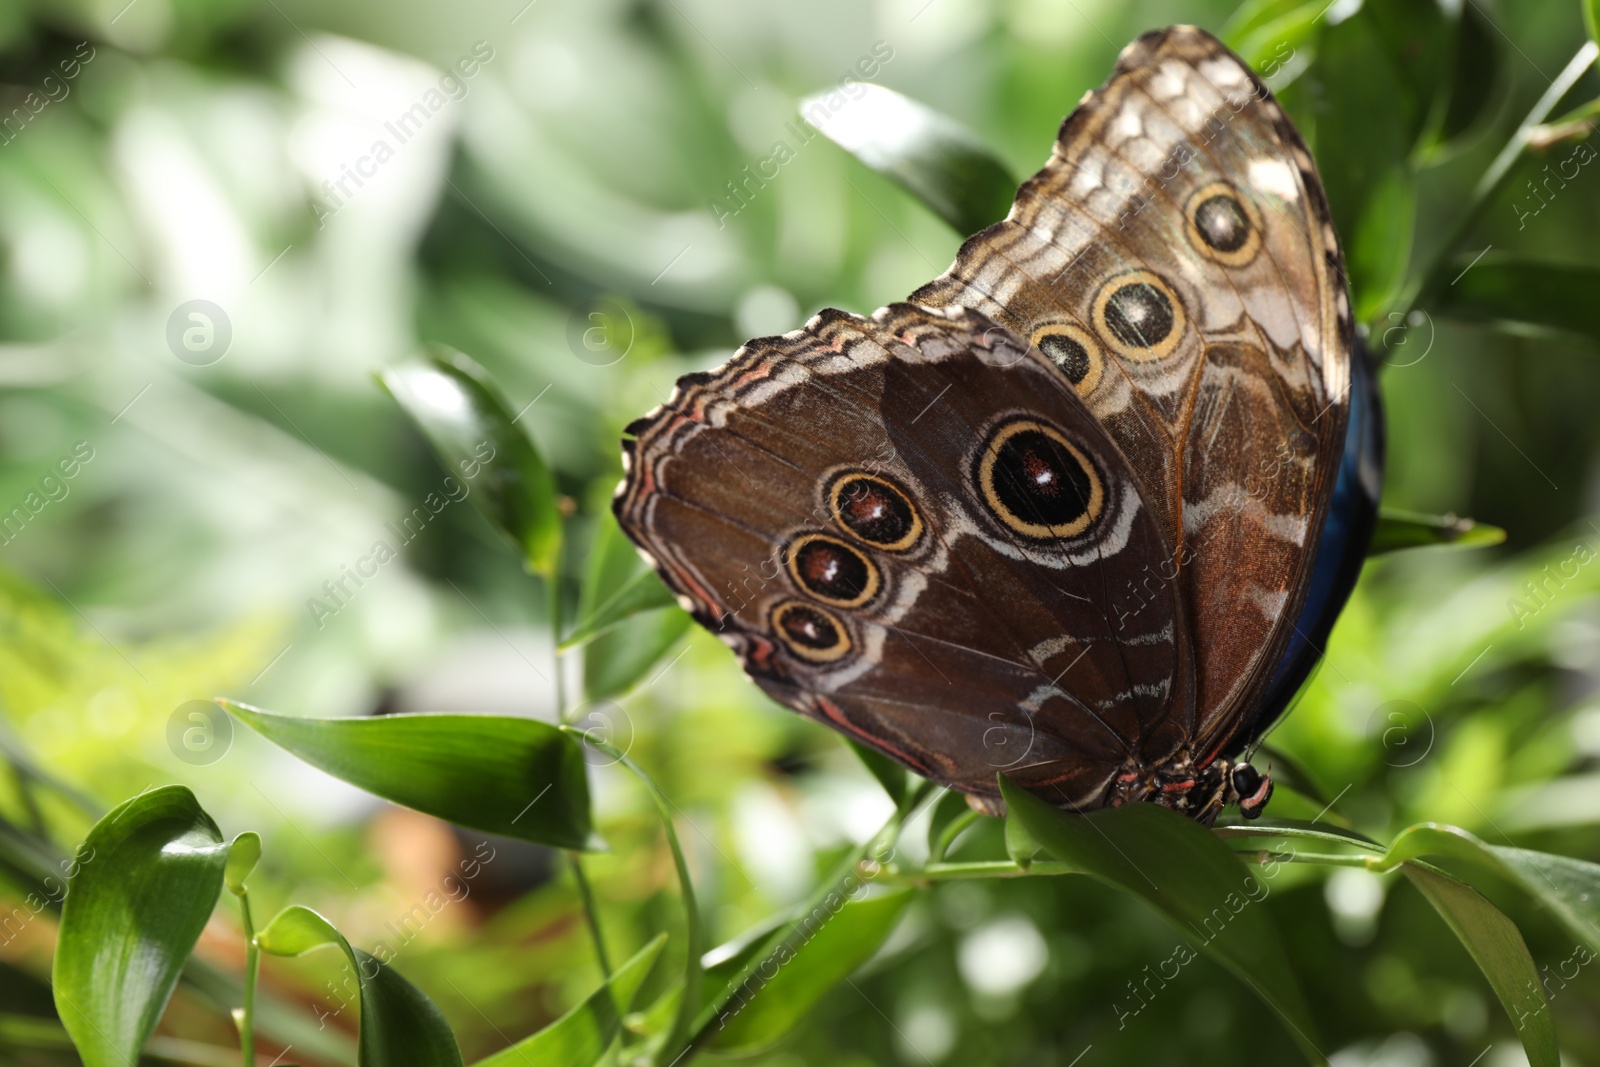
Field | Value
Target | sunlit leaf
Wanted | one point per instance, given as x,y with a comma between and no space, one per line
835,940
1408,529
517,777
931,155
623,656
618,585
1194,880
1497,947
476,438
400,1026
582,1036
243,855
1267,34
146,884
1524,295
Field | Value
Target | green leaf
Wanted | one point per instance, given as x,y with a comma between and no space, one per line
620,658
583,1035
1569,888
1268,33
1194,880
890,775
951,815
476,439
144,889
1408,529
1380,248
517,777
1524,295
618,585
243,855
1496,945
1475,71
1591,19
400,1026
931,155
834,940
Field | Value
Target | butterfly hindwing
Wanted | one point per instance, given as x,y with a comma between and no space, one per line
928,573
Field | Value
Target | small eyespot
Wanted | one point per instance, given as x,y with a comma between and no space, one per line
1037,482
1139,316
876,510
812,633
1223,225
832,571
1074,350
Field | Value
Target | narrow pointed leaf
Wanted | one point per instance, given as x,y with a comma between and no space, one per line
1570,888
1526,295
631,651
477,441
581,1037
838,939
517,777
618,585
145,887
1497,947
1408,529
931,155
400,1026
1194,880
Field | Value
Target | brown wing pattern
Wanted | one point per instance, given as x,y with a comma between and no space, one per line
931,575
1177,261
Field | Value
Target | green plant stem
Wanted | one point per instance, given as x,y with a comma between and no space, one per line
252,965
951,832
876,846
1492,184
591,912
693,934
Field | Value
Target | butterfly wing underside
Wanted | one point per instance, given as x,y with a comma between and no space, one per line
930,576
1177,261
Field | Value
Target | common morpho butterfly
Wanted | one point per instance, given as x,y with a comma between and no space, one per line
1081,510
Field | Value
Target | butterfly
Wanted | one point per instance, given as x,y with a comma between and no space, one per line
1081,510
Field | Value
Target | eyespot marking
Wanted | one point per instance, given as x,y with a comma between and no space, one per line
1223,225
1139,316
1075,351
875,510
831,570
1037,482
814,634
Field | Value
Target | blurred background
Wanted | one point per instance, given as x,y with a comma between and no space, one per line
219,217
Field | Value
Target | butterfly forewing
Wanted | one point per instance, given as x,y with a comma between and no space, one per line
1176,259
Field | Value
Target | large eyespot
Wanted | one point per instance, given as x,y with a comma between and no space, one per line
1038,483
1074,350
875,510
1223,225
812,633
1139,316
831,570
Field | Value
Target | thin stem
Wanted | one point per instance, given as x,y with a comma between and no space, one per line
948,836
553,593
693,935
783,944
252,964
591,912
1493,182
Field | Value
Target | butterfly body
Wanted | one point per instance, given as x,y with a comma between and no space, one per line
1057,516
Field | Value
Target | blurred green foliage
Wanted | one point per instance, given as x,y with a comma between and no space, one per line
599,203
